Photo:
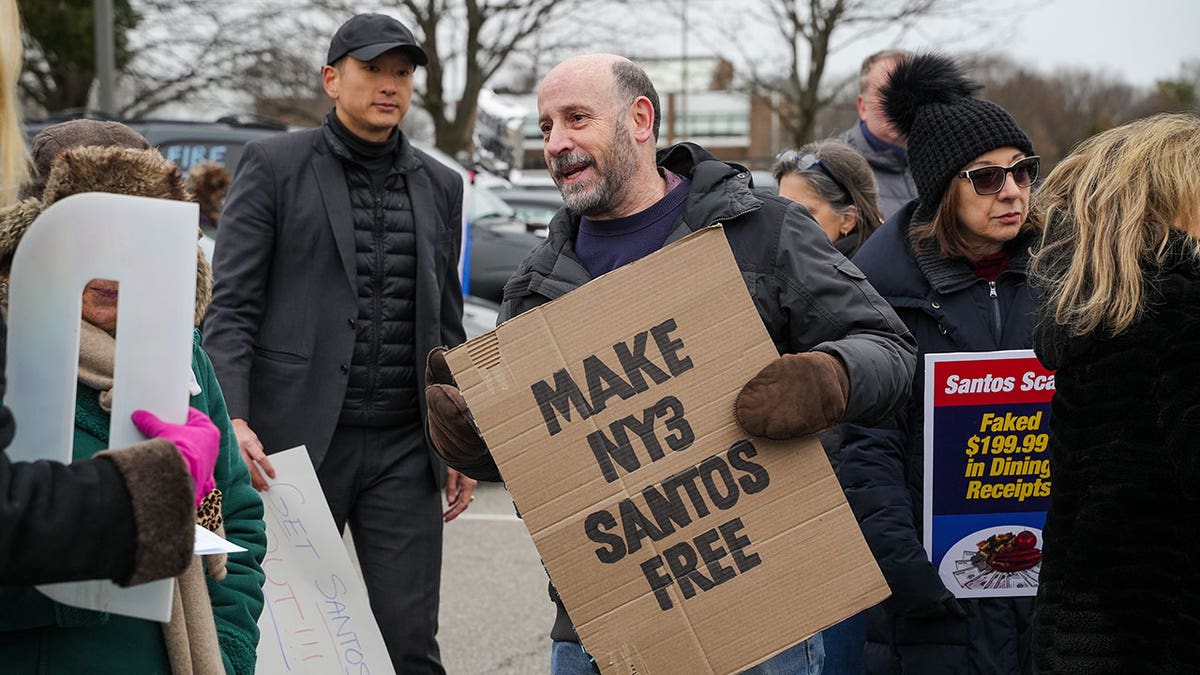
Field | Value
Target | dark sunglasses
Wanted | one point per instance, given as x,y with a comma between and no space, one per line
807,162
988,180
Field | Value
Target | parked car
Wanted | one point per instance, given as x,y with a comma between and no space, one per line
765,181
499,240
535,207
185,142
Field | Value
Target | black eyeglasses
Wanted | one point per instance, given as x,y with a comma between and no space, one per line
988,180
808,162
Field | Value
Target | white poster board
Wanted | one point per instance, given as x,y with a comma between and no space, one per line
149,246
317,618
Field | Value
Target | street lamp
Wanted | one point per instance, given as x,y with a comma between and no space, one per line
106,62
683,127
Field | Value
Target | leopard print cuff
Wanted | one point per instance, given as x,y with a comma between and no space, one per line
208,514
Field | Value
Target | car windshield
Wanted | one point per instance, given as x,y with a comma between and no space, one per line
485,205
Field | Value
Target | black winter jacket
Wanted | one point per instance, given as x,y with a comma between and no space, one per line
1119,591
948,309
808,295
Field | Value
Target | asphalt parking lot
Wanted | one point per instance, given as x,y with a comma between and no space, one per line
495,614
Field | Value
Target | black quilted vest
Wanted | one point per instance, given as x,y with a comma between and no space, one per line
382,388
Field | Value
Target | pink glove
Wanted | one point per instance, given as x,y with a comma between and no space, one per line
198,440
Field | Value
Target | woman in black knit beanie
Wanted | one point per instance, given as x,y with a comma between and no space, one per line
953,265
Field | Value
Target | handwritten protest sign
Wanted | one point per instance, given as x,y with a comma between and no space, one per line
987,470
317,617
677,543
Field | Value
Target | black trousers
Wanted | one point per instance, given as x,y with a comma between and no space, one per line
379,481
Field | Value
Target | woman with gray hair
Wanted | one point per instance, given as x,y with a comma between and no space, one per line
13,159
835,183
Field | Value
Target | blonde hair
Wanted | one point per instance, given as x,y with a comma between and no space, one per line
1111,206
14,161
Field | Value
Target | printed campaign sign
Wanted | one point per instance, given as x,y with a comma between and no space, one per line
149,246
316,617
987,470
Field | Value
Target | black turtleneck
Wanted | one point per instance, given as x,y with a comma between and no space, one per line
376,157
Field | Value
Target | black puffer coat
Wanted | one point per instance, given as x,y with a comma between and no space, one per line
1119,587
948,309
382,386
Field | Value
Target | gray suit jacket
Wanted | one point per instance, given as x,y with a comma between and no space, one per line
280,328
895,181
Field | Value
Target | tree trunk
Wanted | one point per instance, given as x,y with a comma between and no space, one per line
71,89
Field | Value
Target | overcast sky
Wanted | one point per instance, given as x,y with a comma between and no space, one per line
1137,40
1140,40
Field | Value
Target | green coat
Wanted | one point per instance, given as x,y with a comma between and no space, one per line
38,635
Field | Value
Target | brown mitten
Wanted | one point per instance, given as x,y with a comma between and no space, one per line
453,432
795,395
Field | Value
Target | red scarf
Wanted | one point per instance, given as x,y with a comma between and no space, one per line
990,266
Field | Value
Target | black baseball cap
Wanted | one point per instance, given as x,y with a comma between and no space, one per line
366,36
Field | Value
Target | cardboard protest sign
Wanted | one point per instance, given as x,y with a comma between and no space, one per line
677,543
316,618
987,470
149,246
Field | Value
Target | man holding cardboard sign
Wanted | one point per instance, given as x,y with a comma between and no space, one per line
846,355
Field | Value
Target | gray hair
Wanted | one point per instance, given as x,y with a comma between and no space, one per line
841,176
633,82
864,80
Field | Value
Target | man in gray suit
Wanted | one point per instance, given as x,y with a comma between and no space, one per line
336,272
873,136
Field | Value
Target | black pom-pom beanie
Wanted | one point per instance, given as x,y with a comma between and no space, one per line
928,99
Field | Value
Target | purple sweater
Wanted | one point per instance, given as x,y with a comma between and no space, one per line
605,245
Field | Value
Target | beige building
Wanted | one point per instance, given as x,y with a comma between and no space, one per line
699,104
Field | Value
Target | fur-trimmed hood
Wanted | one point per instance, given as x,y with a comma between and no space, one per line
117,170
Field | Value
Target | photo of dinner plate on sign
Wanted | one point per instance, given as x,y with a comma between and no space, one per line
1003,557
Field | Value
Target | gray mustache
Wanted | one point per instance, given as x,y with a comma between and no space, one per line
561,162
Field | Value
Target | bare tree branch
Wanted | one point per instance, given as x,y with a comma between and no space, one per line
809,32
469,42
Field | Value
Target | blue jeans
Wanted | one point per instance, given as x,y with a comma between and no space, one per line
568,658
844,645
806,658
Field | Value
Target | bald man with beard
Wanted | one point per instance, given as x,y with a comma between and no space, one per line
846,356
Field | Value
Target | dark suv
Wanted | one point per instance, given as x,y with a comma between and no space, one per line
185,142
497,246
